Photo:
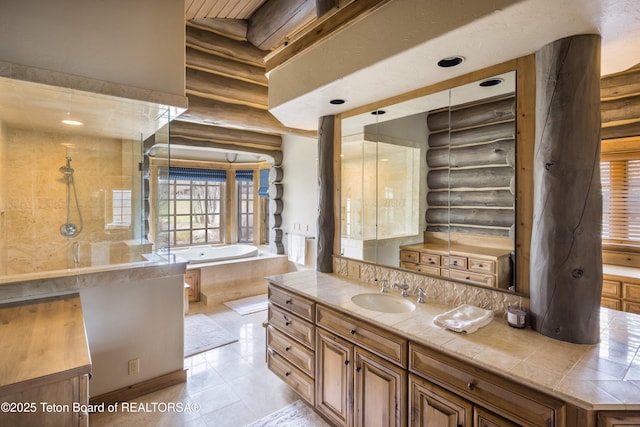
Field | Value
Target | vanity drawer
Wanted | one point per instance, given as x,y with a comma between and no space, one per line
376,340
293,303
454,261
476,278
611,288
482,265
409,256
429,259
297,354
420,268
295,378
631,307
631,291
613,304
292,326
523,405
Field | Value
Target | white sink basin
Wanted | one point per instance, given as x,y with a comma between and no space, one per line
384,303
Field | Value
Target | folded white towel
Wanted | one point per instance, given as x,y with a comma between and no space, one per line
465,319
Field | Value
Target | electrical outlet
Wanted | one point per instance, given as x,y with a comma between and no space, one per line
134,366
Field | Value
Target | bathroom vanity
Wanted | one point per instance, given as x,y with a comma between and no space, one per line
44,378
356,365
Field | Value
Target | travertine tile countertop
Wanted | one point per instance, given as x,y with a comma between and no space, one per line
604,376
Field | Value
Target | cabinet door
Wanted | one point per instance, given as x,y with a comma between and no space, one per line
334,378
379,395
432,406
485,418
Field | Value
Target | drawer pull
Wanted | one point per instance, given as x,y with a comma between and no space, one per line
287,323
287,348
455,262
480,265
358,368
432,262
346,363
288,301
471,386
286,374
352,332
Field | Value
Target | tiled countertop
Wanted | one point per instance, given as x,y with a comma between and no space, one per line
604,376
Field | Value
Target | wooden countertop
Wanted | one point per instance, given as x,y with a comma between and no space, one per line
42,341
603,376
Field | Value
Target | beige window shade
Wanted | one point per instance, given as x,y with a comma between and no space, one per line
620,177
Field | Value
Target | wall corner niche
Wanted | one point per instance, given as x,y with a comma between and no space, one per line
430,186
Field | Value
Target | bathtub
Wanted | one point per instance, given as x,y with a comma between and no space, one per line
201,254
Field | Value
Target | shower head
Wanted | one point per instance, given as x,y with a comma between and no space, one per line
67,169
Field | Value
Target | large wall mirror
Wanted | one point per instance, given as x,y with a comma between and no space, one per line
428,183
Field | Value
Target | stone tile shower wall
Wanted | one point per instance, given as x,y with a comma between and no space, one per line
34,196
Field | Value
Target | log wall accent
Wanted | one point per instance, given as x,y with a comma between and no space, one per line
620,104
326,219
566,257
471,160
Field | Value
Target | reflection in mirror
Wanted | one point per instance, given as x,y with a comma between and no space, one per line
429,185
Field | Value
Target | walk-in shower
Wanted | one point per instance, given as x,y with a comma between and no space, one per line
68,229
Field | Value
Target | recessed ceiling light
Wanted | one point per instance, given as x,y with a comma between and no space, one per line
72,122
337,101
491,82
451,61
378,112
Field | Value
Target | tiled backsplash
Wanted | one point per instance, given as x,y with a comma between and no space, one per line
437,290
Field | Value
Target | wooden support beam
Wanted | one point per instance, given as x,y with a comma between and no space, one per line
326,220
621,109
276,19
621,131
323,6
566,242
237,116
225,135
235,29
317,31
204,61
275,154
226,89
621,84
223,46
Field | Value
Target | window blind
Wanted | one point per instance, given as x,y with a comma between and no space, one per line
621,201
263,190
244,175
193,174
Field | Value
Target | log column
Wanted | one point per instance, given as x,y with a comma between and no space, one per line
566,255
326,223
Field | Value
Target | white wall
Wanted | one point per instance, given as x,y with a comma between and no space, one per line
136,43
300,192
138,319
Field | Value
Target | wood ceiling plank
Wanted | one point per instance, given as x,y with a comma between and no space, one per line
235,29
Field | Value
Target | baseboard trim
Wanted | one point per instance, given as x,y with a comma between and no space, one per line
139,389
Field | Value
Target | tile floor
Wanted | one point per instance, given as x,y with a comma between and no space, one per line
231,384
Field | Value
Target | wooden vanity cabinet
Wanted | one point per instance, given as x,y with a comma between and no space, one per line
360,378
192,278
291,341
495,401
620,291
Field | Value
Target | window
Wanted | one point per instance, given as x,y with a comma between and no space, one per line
244,180
620,177
192,206
120,209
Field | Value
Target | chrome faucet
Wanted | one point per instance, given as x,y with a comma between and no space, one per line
404,287
384,287
421,294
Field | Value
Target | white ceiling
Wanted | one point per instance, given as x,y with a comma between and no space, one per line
511,32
